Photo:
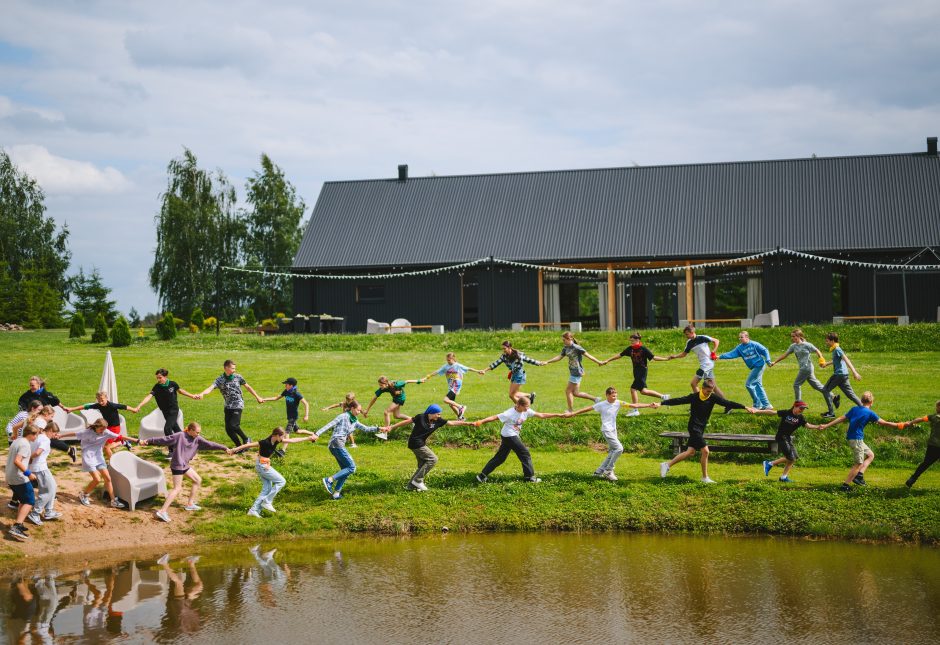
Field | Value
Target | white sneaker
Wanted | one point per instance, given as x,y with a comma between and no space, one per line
610,476
381,435
418,486
193,507
708,480
599,473
83,498
52,515
164,559
253,513
269,507
633,413
353,445
663,468
665,397
163,517
34,518
116,503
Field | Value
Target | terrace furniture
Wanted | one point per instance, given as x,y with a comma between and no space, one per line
135,479
373,327
901,320
771,319
68,421
573,327
742,322
151,425
768,443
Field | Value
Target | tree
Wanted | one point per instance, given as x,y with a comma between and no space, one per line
133,318
100,334
166,328
77,327
198,233
273,236
197,318
90,296
34,254
120,333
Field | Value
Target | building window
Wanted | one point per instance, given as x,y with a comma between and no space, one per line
370,293
840,294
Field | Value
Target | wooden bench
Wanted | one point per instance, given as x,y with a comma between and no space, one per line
575,327
743,322
901,320
434,329
680,442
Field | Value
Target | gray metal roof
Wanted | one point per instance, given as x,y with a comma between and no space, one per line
687,211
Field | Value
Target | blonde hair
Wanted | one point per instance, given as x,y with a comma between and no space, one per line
799,333
348,399
29,430
192,425
97,423
47,409
100,394
867,397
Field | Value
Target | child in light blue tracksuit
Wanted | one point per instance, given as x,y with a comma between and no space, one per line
343,426
757,358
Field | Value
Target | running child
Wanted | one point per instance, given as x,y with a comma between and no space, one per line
756,357
22,419
271,481
342,426
840,375
803,350
790,421
454,372
40,446
112,418
20,479
700,405
640,356
859,417
933,444
185,446
514,360
700,346
45,419
395,389
344,405
423,426
39,415
574,352
292,397
93,439
512,420
230,384
166,394
608,410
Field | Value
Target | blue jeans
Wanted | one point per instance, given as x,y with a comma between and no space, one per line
271,484
755,387
346,463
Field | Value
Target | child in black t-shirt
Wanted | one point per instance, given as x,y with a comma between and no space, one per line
640,356
790,421
271,480
293,398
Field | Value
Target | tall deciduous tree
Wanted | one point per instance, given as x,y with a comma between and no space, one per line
90,296
274,232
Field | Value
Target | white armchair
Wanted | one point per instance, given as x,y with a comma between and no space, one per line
373,327
151,426
400,326
67,421
135,479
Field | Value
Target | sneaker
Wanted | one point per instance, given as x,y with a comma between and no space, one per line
481,478
269,507
828,415
767,466
51,515
836,400
665,397
253,513
279,453
127,444
83,498
380,435
460,410
663,468
859,480
599,473
337,495
162,516
13,505
328,485
785,479
909,483
532,398
845,488
34,518
633,413
192,507
116,503
418,486
533,480
708,480
72,455
164,559
193,559
18,532
610,476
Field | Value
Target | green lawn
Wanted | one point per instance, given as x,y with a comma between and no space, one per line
564,450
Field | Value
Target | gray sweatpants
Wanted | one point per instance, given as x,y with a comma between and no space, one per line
840,381
45,500
809,376
614,450
426,461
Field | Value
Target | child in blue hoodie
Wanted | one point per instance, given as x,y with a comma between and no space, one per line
757,358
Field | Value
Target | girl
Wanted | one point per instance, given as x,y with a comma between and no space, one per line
40,447
574,352
344,405
109,412
803,349
39,415
396,390
271,480
93,439
514,360
343,425
933,444
454,372
23,419
185,446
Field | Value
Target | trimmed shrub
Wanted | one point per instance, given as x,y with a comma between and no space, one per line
249,318
268,324
209,323
120,333
179,323
279,315
166,328
198,318
100,335
193,329
77,328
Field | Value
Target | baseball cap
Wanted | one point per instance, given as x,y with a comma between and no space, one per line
289,381
800,404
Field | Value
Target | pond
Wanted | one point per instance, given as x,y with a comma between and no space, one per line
518,588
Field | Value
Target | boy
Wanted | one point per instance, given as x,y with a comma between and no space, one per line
756,357
933,444
700,405
395,389
292,397
424,426
454,372
608,410
840,375
230,384
512,419
699,345
19,478
40,446
803,350
165,392
112,418
640,356
790,421
859,417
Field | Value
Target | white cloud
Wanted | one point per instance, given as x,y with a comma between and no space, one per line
61,176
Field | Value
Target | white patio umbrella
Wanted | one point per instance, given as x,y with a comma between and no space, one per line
108,379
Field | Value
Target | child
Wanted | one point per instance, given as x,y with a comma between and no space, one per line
640,356
514,360
46,415
23,418
790,421
803,349
40,447
424,425
574,352
93,439
756,357
454,372
230,384
859,417
185,446
271,481
608,411
700,405
344,405
395,389
512,420
933,444
166,393
292,397
840,375
19,479
343,425
109,412
699,345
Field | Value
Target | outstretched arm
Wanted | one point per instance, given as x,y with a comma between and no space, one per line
548,415
146,400
489,419
679,355
253,393
271,398
615,357
575,413
592,358
858,377
836,421
369,407
185,393
782,356
401,423
246,446
899,425
554,359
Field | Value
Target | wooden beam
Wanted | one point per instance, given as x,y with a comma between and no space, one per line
541,297
689,299
611,299
653,264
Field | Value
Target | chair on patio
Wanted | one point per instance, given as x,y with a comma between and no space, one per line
135,479
151,426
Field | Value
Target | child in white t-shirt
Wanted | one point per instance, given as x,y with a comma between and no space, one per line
608,410
512,420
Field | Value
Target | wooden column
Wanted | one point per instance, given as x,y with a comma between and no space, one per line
611,299
689,299
541,298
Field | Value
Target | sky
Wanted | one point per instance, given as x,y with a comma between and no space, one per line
96,98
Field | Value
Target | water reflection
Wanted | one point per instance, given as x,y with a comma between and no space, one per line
500,588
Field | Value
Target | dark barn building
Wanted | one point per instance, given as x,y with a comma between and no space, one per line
876,209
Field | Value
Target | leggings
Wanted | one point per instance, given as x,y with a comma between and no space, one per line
233,427
932,455
511,444
58,444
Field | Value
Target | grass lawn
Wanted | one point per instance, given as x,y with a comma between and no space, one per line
565,451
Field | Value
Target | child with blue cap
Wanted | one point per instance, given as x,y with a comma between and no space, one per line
424,425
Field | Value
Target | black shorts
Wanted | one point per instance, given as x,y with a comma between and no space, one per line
179,472
639,379
291,426
697,439
786,447
451,395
